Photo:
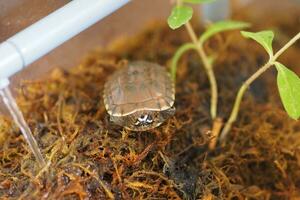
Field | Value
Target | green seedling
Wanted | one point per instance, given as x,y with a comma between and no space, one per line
287,81
180,16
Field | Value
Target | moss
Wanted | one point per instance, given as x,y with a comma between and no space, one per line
91,158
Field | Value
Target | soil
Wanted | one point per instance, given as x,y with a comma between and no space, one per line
90,158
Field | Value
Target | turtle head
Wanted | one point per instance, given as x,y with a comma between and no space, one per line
143,120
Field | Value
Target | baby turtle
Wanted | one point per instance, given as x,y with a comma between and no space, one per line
140,96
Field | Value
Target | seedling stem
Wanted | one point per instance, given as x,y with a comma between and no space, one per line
208,68
246,84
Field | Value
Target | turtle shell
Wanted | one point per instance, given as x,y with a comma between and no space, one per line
138,86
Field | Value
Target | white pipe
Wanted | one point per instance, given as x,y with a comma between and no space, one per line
38,39
218,10
4,83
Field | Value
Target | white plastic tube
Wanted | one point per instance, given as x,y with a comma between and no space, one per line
38,39
218,10
4,83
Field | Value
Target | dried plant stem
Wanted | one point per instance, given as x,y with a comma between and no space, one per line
208,68
217,126
246,84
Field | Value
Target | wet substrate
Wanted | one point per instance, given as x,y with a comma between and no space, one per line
92,159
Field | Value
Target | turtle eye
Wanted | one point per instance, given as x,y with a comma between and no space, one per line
149,119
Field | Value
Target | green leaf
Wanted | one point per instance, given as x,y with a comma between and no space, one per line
179,16
264,38
289,89
198,1
180,51
220,27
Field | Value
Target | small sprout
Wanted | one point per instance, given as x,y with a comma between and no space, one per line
264,38
289,89
179,16
288,82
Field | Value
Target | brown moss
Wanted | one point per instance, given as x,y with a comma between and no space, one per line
91,158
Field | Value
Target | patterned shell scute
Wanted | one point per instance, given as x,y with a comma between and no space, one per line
139,86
